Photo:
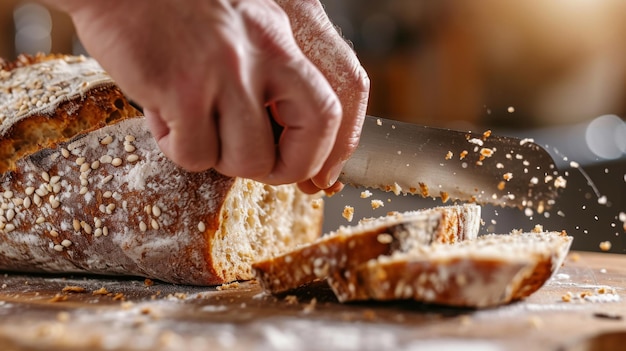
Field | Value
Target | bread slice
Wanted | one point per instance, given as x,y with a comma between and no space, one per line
84,188
489,271
48,99
351,246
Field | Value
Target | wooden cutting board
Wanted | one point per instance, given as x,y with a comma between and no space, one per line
87,313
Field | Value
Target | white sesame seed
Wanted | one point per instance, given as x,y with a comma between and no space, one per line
116,162
84,167
80,161
97,222
66,243
110,208
37,199
55,203
56,188
58,248
40,220
129,148
17,201
8,194
132,158
142,226
10,214
107,179
45,176
154,224
65,153
27,202
156,211
107,140
104,159
129,138
107,194
201,226
29,191
102,208
95,165
76,225
9,227
54,179
54,233
84,182
105,231
97,232
86,227
83,190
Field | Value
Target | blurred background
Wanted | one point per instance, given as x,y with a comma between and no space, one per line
551,70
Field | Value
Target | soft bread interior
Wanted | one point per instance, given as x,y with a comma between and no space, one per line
260,221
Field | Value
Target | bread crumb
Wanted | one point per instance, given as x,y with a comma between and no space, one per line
377,204
119,297
348,213
317,203
574,257
507,176
605,245
310,307
449,155
444,196
228,286
74,289
148,282
501,185
538,229
101,291
291,299
567,297
463,154
58,298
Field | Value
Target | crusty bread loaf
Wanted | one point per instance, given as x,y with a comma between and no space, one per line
489,271
47,99
351,246
109,202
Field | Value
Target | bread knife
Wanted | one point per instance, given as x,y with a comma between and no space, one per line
453,165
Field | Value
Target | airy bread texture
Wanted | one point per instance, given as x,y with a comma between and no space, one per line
47,99
87,190
350,246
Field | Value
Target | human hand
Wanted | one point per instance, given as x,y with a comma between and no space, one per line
204,73
324,46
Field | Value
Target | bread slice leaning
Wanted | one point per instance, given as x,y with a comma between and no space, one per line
351,246
489,271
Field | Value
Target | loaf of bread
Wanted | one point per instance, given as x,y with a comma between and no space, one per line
84,188
350,246
489,271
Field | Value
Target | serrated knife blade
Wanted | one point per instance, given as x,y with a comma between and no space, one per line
456,165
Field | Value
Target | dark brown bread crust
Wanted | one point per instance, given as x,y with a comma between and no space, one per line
75,109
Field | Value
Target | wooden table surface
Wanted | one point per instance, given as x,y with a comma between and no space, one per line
37,314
